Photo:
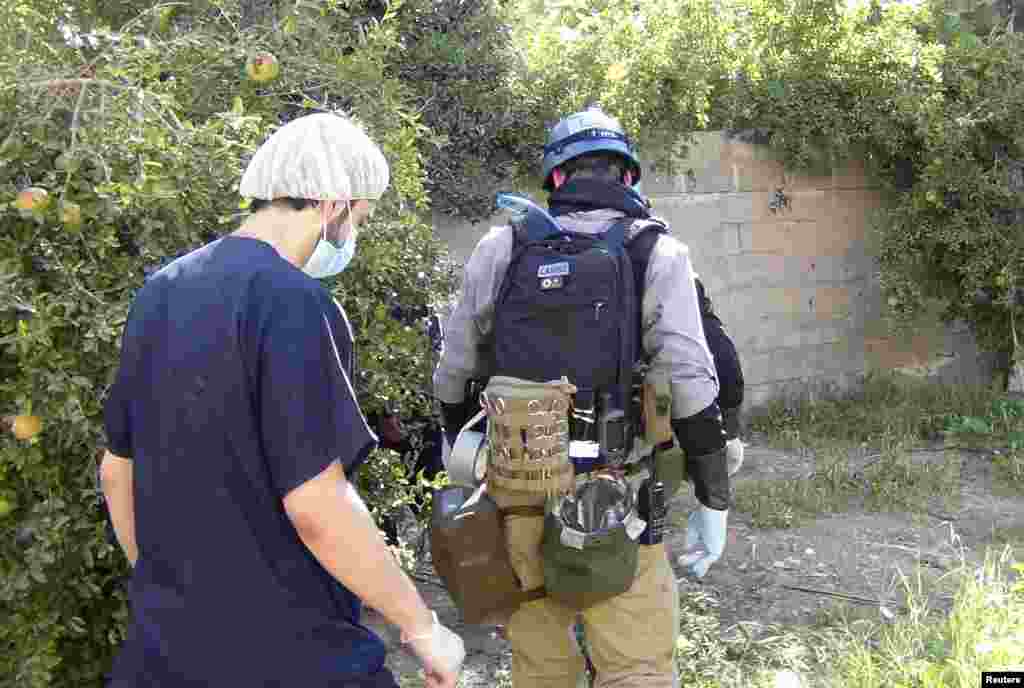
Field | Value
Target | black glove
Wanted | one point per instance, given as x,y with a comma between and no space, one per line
731,421
702,437
710,476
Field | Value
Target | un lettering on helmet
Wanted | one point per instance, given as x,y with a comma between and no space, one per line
590,131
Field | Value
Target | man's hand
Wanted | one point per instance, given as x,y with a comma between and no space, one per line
441,652
335,525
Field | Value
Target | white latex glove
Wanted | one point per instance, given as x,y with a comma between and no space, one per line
442,653
705,539
733,455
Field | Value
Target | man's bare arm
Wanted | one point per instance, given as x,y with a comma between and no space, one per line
334,523
116,479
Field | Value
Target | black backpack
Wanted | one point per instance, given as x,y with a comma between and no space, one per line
570,304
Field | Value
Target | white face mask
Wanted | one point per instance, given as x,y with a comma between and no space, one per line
329,260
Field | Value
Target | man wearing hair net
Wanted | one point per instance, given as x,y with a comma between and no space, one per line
233,431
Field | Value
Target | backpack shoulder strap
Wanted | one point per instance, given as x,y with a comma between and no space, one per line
617,236
640,240
650,228
530,228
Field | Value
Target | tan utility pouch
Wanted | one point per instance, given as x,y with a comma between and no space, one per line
671,468
524,530
657,409
528,434
470,554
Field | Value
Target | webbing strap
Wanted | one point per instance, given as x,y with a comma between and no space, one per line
535,510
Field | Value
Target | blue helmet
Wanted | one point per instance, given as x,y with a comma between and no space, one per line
588,131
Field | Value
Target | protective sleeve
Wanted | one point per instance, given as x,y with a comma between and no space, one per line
703,440
473,317
309,416
727,363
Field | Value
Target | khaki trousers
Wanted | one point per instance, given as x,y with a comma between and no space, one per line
631,638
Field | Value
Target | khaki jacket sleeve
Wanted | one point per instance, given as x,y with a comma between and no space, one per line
673,332
473,317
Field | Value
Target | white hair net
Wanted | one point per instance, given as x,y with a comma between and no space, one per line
319,157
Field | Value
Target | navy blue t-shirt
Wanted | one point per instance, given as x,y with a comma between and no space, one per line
234,388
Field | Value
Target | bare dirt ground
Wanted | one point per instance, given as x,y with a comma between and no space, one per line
801,575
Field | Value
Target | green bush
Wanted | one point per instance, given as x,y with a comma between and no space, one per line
147,130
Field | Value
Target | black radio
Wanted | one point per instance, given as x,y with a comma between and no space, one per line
653,507
612,432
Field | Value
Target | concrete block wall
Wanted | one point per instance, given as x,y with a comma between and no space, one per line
794,282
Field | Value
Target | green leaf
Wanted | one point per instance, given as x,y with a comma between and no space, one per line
969,40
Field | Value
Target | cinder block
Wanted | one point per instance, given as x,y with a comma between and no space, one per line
860,297
789,300
690,216
782,237
851,212
753,167
823,268
758,269
662,180
754,303
831,303
821,302
770,269
854,265
771,334
713,271
744,207
806,204
698,171
809,362
724,241
819,176
766,206
874,309
757,175
804,238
